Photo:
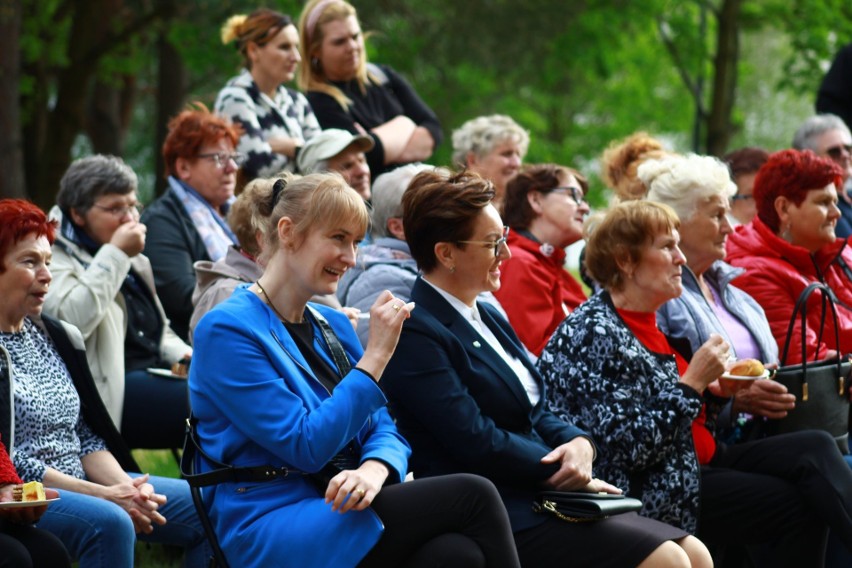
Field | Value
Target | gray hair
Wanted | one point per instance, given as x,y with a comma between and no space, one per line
805,137
387,196
482,134
89,178
682,182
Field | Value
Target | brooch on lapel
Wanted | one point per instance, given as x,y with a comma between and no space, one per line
477,344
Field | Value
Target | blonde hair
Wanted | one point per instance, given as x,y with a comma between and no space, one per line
315,15
312,201
683,182
621,160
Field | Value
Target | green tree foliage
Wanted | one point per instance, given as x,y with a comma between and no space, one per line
577,74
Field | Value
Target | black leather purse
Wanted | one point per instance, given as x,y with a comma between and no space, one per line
821,387
580,507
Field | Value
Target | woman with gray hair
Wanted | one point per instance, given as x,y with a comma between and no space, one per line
104,285
698,189
386,263
492,146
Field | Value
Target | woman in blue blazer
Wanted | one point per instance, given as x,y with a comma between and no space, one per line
279,383
468,399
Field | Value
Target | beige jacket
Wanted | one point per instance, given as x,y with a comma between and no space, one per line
86,293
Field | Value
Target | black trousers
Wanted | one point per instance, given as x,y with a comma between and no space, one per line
445,521
155,411
782,492
24,546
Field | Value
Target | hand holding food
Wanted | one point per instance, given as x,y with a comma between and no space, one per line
747,368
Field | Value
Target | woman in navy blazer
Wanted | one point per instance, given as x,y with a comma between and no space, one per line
277,382
468,399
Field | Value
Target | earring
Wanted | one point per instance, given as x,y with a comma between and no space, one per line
315,63
786,234
452,269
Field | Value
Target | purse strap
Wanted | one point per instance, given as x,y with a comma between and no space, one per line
801,307
341,361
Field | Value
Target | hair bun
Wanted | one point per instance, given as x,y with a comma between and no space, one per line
231,29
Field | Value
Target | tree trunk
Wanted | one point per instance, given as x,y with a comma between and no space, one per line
720,127
171,93
12,182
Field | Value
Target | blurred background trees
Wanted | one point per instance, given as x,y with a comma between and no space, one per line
82,76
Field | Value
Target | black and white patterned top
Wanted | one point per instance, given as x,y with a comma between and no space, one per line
600,377
288,114
49,430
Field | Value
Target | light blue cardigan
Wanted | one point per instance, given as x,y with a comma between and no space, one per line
258,403
692,317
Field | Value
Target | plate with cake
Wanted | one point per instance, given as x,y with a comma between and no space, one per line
30,494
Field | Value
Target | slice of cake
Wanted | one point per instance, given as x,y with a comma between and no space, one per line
32,491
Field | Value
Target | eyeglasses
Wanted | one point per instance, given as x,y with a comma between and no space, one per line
118,212
836,152
742,197
496,245
223,158
576,193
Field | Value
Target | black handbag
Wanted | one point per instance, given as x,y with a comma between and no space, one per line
580,507
821,387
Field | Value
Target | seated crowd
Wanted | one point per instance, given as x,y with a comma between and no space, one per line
352,318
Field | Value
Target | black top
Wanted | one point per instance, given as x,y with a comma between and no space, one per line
303,335
144,326
835,92
381,103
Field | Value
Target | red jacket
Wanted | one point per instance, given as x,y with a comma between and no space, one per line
777,272
536,291
7,470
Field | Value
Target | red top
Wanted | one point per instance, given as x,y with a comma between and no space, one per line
7,470
536,291
644,327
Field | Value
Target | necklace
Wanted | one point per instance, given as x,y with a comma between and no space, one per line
271,305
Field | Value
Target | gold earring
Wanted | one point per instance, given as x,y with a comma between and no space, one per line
452,269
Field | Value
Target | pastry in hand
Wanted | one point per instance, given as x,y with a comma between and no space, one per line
181,368
747,368
32,491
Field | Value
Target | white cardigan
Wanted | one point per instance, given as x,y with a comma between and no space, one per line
89,297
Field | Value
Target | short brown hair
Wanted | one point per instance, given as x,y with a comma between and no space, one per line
243,216
190,130
259,27
622,236
516,211
441,207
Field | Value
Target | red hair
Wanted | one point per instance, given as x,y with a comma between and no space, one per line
19,218
791,174
192,129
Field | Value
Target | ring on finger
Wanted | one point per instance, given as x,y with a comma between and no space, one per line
360,492
397,307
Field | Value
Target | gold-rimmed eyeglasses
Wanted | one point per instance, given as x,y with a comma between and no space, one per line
118,212
496,245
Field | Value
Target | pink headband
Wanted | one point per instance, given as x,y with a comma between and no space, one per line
311,22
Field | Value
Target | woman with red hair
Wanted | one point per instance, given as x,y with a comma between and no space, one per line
791,243
187,223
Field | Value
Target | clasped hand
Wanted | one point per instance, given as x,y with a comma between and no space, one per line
575,468
138,498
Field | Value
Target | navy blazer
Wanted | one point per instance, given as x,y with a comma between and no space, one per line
463,409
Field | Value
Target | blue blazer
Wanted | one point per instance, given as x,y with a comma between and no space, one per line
462,407
258,402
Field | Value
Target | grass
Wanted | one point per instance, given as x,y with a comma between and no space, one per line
162,463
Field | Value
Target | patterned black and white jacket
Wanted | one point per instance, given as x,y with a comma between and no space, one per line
287,115
600,377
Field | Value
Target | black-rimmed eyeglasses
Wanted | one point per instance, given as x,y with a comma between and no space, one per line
574,192
496,245
223,158
836,152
